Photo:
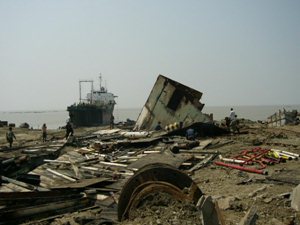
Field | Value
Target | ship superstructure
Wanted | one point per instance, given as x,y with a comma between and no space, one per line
94,110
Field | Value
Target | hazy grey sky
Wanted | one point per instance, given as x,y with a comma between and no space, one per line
235,52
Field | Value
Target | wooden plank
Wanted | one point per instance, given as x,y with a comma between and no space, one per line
83,183
61,175
23,184
42,210
202,163
114,164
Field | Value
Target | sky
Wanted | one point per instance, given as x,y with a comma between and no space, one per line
235,52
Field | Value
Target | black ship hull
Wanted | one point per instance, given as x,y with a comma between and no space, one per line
89,115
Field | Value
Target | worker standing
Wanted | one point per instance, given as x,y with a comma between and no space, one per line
10,136
232,114
69,130
112,119
44,132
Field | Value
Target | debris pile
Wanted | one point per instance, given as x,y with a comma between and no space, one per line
258,157
283,117
156,176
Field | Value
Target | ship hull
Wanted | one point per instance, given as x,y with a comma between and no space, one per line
88,115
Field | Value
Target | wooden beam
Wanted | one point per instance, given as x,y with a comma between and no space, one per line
24,185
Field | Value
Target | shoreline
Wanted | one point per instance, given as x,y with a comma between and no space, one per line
57,118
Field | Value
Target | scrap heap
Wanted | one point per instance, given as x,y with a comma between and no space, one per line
142,176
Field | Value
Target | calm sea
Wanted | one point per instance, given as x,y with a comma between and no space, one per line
58,118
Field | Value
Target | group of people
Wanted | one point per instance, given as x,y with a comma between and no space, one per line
10,135
69,131
231,122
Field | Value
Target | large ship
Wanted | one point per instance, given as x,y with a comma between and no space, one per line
94,110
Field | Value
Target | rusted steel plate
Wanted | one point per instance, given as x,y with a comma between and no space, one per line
152,178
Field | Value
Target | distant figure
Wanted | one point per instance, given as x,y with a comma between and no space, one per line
234,125
190,134
232,114
158,126
112,118
44,132
69,130
227,122
10,136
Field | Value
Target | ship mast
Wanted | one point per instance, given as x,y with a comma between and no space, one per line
100,78
102,89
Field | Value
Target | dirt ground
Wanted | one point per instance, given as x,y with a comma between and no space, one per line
236,191
242,190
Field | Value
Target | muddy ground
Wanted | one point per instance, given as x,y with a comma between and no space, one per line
236,191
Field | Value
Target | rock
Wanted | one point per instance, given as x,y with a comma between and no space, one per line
226,203
295,197
268,200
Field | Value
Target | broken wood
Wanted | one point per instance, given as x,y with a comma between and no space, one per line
203,163
151,152
56,161
113,164
61,175
23,184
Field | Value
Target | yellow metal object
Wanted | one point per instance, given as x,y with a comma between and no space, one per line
278,155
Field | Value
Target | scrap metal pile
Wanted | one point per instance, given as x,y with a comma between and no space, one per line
108,176
256,160
107,172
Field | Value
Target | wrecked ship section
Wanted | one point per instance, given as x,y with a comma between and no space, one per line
171,103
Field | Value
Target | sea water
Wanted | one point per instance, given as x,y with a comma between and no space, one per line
57,118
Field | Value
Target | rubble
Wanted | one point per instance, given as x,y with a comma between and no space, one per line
126,176
90,175
283,117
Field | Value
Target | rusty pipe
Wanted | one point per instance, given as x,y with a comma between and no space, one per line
233,166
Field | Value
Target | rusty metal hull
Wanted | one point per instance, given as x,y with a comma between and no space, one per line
171,102
156,178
